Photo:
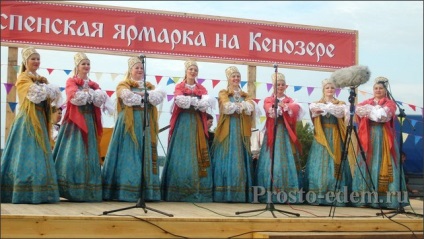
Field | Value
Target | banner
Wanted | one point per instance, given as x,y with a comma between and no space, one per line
162,34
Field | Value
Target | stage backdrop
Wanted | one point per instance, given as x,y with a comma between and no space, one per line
160,34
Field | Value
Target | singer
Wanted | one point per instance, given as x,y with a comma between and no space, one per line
121,171
187,175
377,137
232,164
325,156
76,153
287,176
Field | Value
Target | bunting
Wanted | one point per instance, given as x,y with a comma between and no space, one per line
169,97
215,82
98,75
310,90
8,87
176,79
404,137
62,88
200,80
412,107
16,68
50,70
296,88
242,84
12,106
114,75
338,92
268,86
69,71
262,119
256,100
170,81
110,92
417,139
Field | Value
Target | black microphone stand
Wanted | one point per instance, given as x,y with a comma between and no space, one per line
270,205
400,209
141,201
347,141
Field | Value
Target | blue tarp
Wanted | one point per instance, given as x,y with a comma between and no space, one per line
413,145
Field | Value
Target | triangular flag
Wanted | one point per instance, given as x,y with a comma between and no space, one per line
50,70
338,92
12,106
304,121
8,87
257,84
16,68
217,118
99,75
170,81
363,92
200,80
114,75
399,102
262,119
257,100
158,78
110,92
404,137
401,121
296,88
169,97
412,107
268,86
413,122
176,79
310,90
242,83
417,139
214,83
67,71
62,88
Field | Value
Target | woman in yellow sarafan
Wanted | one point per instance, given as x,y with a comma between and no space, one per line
231,156
28,174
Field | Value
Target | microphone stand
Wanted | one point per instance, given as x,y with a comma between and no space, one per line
141,201
345,148
400,209
270,205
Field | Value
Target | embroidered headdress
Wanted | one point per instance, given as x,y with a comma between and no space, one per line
189,63
132,61
79,57
230,71
26,53
280,77
381,80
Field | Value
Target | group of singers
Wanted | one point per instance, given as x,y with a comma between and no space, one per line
194,171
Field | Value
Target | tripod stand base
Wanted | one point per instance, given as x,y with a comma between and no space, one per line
400,210
138,205
270,207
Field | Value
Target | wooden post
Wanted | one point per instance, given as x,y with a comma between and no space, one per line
251,86
12,60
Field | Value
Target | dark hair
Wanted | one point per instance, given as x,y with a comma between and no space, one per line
209,116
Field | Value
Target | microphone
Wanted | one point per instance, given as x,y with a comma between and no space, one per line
350,76
275,65
142,57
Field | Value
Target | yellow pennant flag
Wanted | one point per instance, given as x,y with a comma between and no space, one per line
401,119
98,75
304,121
262,119
404,137
176,79
114,75
257,84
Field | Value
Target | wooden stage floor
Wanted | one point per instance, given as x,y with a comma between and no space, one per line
203,220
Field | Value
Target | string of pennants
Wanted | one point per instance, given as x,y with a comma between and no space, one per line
174,80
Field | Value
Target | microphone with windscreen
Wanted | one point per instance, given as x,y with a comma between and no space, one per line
352,76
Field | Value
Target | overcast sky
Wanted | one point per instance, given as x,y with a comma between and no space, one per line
390,38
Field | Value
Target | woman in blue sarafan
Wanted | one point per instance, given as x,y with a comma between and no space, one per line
381,187
27,168
287,174
187,175
76,152
325,168
124,160
231,156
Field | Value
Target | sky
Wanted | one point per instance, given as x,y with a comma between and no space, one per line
390,43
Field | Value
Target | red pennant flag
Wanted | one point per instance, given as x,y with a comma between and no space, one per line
214,83
257,100
50,70
110,92
412,107
158,79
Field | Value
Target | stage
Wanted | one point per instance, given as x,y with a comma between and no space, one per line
203,220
